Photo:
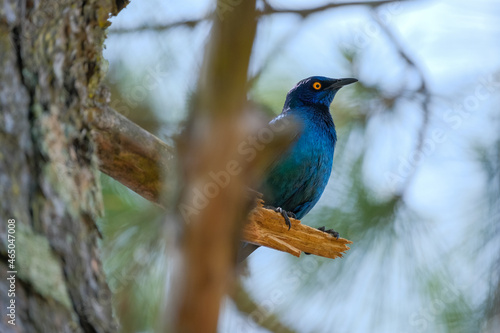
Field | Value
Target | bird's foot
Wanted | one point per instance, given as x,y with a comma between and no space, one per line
330,231
286,215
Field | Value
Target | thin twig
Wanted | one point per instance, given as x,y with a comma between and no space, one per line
268,9
270,55
422,89
263,316
157,27
206,146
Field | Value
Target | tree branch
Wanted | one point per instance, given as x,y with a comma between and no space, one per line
137,159
129,153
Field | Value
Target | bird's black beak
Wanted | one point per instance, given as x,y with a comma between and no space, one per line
342,82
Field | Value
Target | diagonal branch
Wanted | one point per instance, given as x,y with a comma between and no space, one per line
138,159
129,153
261,315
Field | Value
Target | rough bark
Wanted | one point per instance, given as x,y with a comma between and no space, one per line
50,70
130,154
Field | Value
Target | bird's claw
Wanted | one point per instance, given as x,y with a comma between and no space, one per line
286,215
330,231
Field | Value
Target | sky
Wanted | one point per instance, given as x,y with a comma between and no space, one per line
455,45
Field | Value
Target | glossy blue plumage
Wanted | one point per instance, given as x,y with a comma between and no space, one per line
297,179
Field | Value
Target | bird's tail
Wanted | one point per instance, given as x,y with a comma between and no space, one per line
245,250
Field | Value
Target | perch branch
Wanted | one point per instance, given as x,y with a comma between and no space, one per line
137,159
267,228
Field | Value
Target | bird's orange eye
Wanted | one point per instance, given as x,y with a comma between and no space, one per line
317,85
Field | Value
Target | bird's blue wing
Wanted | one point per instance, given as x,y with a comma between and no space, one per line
294,184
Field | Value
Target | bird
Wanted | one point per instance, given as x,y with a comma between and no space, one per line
295,181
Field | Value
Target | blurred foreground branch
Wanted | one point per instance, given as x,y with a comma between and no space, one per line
208,144
137,159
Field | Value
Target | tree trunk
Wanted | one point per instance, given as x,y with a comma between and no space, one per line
50,71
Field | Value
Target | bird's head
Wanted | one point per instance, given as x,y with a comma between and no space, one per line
315,90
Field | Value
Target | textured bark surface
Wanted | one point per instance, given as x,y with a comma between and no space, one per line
50,70
130,154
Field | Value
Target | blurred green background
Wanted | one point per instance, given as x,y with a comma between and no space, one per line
416,177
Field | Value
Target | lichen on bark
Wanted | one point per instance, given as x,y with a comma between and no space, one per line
50,71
